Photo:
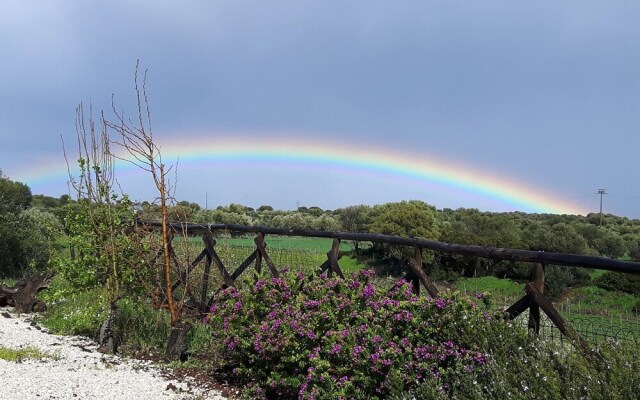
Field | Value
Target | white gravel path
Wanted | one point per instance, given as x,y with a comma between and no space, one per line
78,371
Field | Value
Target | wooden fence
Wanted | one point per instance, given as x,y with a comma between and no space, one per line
533,299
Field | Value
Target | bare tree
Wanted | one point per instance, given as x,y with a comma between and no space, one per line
136,138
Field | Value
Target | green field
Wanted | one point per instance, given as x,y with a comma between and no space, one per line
503,292
295,253
597,314
318,245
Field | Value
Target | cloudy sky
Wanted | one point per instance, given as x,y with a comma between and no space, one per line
493,102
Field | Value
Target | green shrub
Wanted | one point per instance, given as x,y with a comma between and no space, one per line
75,313
140,326
328,338
621,282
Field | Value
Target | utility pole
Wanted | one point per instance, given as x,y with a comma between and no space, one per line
206,200
601,192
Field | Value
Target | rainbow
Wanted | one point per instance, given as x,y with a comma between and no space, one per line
289,151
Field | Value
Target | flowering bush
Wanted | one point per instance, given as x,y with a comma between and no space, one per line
296,337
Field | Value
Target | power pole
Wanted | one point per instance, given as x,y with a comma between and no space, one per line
601,192
206,200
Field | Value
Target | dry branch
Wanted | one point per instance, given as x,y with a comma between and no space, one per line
22,295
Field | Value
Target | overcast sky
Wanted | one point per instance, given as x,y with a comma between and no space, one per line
546,94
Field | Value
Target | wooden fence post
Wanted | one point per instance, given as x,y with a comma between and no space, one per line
333,255
534,309
207,272
262,249
415,264
558,321
210,244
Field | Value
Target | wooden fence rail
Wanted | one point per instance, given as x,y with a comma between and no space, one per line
533,300
495,253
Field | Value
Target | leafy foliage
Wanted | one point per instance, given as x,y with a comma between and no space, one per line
107,246
328,338
14,196
407,219
621,282
28,234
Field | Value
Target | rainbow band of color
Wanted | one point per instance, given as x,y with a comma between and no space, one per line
274,151
348,157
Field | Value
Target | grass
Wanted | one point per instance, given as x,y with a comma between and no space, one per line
294,253
74,312
595,313
592,300
350,264
19,355
596,273
504,292
321,245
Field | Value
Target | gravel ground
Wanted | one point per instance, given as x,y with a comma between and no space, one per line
78,371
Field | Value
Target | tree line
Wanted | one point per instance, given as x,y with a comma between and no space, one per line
29,223
614,237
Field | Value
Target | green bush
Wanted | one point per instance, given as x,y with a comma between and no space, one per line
75,312
108,248
330,338
620,282
140,327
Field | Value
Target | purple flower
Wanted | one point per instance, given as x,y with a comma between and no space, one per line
314,354
401,282
479,358
238,306
257,346
479,295
336,348
302,391
441,303
260,284
279,282
312,303
368,291
225,324
367,273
